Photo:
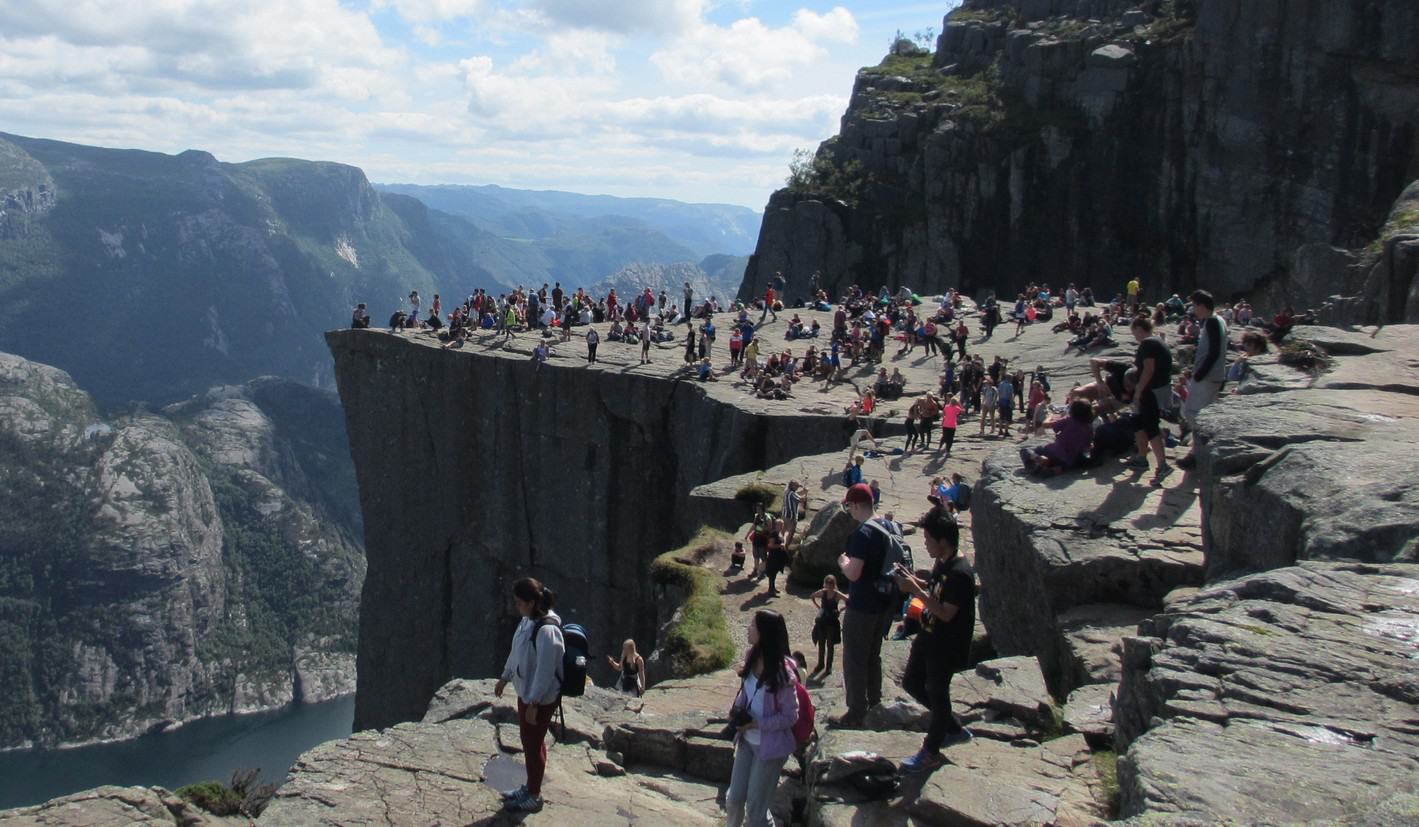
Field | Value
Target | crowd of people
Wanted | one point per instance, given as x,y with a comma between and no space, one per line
1125,407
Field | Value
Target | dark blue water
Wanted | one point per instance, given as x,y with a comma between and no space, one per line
202,750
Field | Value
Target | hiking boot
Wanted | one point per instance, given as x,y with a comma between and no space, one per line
528,803
923,761
1188,462
513,795
848,720
1163,470
965,736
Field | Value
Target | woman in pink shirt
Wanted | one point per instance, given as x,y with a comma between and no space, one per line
950,416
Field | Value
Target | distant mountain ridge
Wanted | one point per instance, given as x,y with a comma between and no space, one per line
172,273
702,229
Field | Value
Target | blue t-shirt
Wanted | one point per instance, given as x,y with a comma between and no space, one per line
1004,394
868,545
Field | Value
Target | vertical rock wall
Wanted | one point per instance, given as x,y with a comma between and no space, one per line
1189,143
476,468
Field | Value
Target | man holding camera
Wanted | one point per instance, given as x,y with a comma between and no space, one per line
948,598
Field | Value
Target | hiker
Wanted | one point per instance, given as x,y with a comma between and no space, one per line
827,626
793,500
1155,368
645,344
1209,367
632,669
943,647
532,668
412,320
592,340
689,296
852,474
775,557
758,537
987,405
764,712
950,418
1004,404
868,616
360,319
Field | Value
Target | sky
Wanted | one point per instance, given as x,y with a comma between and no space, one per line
696,100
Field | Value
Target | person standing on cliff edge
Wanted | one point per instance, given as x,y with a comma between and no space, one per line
592,340
532,668
868,615
689,297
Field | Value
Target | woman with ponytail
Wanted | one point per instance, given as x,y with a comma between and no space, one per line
765,711
534,668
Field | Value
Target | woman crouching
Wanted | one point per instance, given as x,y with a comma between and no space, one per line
764,711
533,667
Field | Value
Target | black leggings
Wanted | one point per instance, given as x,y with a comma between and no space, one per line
911,432
948,438
928,680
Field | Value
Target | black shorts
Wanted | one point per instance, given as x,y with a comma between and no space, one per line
1149,417
1006,412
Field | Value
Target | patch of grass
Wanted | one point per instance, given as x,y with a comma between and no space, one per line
698,641
1175,19
1260,630
1055,728
1304,356
979,96
761,492
1106,763
1405,220
243,797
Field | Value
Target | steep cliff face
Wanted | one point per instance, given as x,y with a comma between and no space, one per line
1187,142
158,568
479,467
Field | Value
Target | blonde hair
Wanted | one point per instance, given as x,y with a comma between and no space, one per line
830,582
628,649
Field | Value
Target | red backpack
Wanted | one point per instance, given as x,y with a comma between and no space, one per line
803,727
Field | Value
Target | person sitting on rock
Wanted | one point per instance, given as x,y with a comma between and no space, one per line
943,647
616,333
1074,433
827,626
705,371
360,318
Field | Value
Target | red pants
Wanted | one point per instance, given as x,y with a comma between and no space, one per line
534,742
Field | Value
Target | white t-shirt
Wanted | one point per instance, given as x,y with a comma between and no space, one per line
757,697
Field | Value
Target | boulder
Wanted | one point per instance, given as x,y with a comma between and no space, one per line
826,539
1090,712
1310,668
1091,642
990,783
1288,438
1043,548
1004,689
117,805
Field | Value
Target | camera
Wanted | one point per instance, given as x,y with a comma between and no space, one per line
738,717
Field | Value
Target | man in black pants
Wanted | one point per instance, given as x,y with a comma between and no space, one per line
1155,369
869,611
943,647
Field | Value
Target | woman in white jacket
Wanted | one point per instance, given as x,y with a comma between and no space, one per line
534,668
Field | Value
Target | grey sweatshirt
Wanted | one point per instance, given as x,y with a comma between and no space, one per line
535,670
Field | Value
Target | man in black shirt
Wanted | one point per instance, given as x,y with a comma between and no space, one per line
1155,390
869,610
943,647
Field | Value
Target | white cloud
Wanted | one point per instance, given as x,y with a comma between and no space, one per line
624,16
426,11
750,55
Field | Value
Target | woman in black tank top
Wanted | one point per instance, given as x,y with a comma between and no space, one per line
632,669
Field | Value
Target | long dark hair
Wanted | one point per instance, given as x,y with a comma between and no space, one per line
770,651
530,590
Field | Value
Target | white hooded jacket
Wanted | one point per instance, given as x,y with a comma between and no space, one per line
535,671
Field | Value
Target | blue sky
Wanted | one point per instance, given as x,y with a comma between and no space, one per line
699,100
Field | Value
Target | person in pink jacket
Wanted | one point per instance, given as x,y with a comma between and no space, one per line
768,694
950,418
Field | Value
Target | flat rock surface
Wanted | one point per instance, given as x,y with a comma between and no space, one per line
1293,436
1311,668
987,782
116,807
1091,640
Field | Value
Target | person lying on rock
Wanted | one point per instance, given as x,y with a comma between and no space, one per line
942,648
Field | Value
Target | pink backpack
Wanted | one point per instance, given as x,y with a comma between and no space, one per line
803,727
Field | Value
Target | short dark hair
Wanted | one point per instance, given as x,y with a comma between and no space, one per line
1143,323
939,524
1204,298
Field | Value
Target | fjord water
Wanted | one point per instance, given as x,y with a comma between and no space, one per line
199,751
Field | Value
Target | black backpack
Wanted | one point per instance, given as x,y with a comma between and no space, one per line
896,552
575,656
964,497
